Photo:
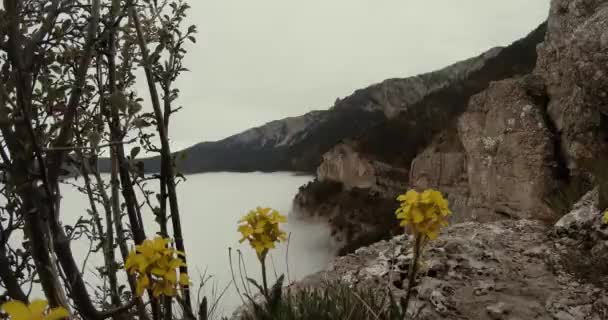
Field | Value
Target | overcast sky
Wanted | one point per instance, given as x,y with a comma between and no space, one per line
261,60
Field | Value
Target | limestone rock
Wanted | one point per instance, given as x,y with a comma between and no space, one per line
345,165
477,271
499,161
509,150
573,60
583,219
497,311
442,166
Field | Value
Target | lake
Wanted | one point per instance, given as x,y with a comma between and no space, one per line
210,206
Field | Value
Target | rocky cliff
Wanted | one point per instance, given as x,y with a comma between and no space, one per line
519,139
532,140
421,146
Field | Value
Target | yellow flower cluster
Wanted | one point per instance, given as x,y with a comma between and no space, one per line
261,228
37,310
605,217
424,213
155,264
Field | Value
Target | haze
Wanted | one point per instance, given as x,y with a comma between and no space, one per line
258,61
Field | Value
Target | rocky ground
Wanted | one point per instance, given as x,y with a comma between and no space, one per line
510,269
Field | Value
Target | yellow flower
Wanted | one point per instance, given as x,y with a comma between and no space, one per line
155,263
163,288
37,310
605,217
143,282
277,218
260,227
423,213
409,197
184,280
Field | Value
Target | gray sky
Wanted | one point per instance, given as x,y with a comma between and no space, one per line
257,61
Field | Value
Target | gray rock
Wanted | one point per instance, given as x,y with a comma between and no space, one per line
584,217
501,162
508,147
573,61
473,268
497,311
344,164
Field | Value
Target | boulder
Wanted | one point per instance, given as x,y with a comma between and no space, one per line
585,219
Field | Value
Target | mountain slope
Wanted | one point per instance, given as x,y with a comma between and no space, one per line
298,143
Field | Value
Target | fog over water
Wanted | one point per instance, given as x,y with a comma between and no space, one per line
210,206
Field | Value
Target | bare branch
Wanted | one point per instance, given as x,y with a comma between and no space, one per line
73,148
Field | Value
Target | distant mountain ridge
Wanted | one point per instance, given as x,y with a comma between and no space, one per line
298,143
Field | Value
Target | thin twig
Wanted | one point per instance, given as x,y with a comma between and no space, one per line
243,268
236,286
109,144
86,258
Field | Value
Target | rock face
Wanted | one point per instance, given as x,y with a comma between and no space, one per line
509,151
506,147
344,164
525,138
374,168
573,61
511,269
499,161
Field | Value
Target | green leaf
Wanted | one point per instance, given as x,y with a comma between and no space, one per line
94,138
134,152
118,100
259,287
134,108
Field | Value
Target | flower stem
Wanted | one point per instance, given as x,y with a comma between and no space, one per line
412,272
264,280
